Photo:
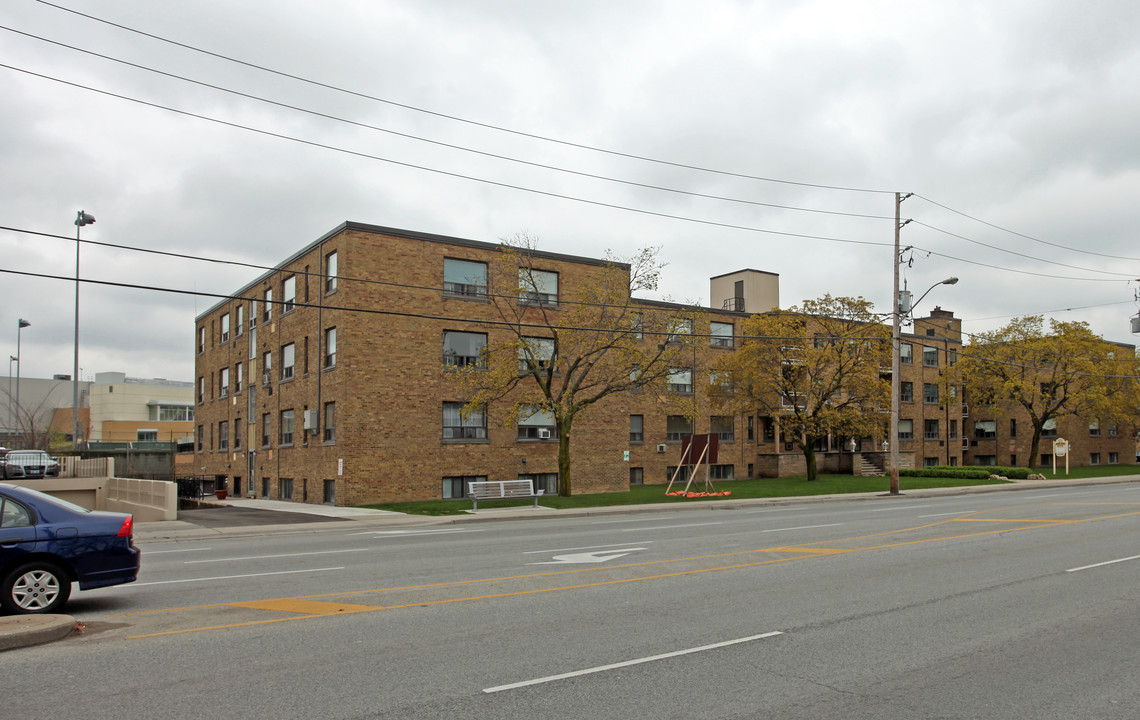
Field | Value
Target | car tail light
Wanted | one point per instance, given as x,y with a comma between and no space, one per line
128,528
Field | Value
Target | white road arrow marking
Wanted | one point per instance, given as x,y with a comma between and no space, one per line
598,556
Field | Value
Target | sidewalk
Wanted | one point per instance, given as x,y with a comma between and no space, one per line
270,517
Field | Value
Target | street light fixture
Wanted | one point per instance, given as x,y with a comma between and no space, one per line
80,220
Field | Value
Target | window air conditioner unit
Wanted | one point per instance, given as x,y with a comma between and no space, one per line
661,447
312,419
543,434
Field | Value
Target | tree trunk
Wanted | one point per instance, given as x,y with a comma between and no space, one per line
808,446
1034,447
564,485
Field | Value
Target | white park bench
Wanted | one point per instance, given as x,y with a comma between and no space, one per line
501,490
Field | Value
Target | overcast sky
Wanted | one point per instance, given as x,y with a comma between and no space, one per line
1014,123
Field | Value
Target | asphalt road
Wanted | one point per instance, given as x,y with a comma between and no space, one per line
1003,605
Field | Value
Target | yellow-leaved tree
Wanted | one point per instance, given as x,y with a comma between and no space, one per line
1051,374
816,369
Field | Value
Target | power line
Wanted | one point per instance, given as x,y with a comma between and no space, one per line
356,153
1022,235
438,143
1130,276
455,118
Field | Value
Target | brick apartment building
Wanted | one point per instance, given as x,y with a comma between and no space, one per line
324,381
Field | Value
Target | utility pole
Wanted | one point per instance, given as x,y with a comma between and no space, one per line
896,322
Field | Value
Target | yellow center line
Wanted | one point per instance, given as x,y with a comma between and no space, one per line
810,550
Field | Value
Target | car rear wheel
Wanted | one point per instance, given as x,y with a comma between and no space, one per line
35,588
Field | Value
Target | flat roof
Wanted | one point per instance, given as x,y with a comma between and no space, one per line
349,225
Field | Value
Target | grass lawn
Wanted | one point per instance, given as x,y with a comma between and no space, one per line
758,488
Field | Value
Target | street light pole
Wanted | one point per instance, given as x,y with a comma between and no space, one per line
80,220
19,326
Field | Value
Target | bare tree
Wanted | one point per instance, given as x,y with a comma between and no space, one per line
556,352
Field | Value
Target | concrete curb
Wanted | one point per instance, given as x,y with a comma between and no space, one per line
24,630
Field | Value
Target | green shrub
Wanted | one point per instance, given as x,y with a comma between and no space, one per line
977,472
968,473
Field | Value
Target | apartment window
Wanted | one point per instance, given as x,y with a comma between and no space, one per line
985,430
538,287
330,422
929,429
952,356
546,482
1046,459
226,327
929,357
723,427
464,278
288,359
906,429
224,382
751,431
253,313
636,428
289,293
286,485
636,476
953,429
1094,428
458,427
237,379
1094,458
286,427
929,461
224,435
266,368
677,426
201,339
1049,428
265,425
330,348
146,435
536,352
463,349
722,472
1113,458
330,273
722,379
906,353
678,327
201,436
930,393
681,380
239,323
637,322
237,436
1112,431
456,486
201,390
721,334
906,392
537,425
267,309
1013,427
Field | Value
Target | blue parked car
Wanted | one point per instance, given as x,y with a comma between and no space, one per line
47,543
